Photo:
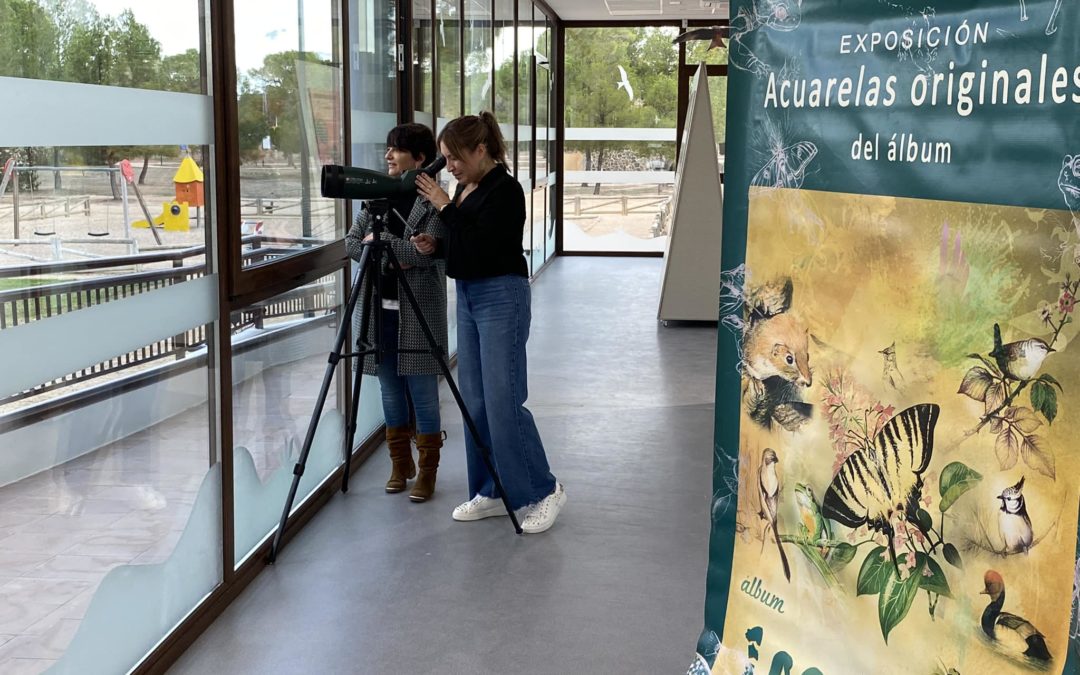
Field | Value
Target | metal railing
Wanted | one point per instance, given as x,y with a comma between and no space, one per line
35,303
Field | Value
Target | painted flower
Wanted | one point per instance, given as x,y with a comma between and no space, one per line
1067,303
1045,313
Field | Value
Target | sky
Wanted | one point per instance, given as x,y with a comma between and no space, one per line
263,26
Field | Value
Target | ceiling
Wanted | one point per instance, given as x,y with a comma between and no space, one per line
639,10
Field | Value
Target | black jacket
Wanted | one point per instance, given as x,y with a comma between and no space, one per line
483,234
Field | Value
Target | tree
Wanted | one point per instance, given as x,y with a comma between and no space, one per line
28,41
28,48
183,73
251,122
277,80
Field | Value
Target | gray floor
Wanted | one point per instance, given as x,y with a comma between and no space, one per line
376,584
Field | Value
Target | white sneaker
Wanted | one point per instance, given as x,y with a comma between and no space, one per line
478,508
543,513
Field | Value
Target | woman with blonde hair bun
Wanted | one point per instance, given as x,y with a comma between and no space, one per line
484,223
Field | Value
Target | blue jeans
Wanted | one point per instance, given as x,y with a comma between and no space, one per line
424,389
493,317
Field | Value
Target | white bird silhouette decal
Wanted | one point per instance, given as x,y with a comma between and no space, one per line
624,83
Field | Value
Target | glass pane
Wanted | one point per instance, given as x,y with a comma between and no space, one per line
107,475
718,98
525,90
504,73
539,217
702,51
549,246
140,43
290,123
373,79
279,359
619,150
478,56
527,234
447,41
543,92
110,483
422,59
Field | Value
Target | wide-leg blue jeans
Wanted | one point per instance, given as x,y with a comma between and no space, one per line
493,317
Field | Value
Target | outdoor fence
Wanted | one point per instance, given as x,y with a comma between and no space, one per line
35,303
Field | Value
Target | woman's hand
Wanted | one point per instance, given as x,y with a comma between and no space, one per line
424,243
430,190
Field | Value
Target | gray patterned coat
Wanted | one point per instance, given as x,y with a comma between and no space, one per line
426,277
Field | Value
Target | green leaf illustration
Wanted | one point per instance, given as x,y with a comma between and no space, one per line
953,556
1049,379
956,479
935,581
1044,399
876,570
814,556
841,555
924,520
895,601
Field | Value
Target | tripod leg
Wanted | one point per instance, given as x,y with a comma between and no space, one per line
328,375
436,351
354,406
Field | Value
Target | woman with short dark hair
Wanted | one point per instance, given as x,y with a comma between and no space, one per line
408,373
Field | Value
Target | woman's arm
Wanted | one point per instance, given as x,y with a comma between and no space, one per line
355,237
426,220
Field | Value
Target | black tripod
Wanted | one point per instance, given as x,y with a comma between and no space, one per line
375,251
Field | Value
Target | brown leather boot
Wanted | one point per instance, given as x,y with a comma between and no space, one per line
428,445
399,441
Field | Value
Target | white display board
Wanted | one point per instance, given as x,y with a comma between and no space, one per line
690,285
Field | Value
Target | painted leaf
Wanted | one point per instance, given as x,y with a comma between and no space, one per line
995,396
1044,399
935,581
841,555
876,570
1007,449
1049,379
1037,458
895,601
976,383
924,520
956,479
996,424
1024,419
953,556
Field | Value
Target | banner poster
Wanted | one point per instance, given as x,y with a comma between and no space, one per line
898,381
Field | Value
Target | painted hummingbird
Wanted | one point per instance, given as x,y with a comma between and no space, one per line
810,518
1019,360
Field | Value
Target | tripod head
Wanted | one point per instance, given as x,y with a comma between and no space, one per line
380,210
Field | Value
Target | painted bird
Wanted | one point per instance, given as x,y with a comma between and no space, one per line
817,528
715,35
624,83
769,492
1013,520
1013,633
890,373
1019,360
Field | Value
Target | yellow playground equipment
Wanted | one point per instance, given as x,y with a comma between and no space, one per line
174,217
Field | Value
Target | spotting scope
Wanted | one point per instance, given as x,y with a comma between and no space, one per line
350,182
